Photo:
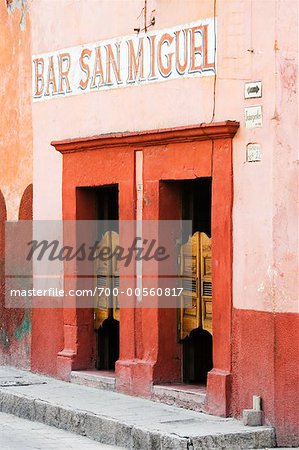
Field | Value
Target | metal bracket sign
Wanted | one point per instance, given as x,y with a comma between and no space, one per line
183,51
253,89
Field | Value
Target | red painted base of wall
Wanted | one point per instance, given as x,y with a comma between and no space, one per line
47,340
265,362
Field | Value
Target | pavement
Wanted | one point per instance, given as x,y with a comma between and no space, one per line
21,434
120,420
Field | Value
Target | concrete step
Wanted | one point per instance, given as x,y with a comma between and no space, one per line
94,378
182,395
116,419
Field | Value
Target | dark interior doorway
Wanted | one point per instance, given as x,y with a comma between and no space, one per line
107,334
196,201
107,344
197,360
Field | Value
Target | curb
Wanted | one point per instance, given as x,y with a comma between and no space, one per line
110,431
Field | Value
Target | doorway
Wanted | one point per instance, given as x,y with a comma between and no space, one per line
106,312
195,261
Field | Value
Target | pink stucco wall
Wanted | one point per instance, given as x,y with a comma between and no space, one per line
248,48
15,107
256,40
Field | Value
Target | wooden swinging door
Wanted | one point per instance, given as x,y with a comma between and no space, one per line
195,262
107,280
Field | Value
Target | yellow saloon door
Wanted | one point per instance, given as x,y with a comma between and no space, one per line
196,280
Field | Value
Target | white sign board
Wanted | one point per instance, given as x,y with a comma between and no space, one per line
253,117
179,52
253,89
253,152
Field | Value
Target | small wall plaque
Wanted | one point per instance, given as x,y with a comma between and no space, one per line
253,117
253,152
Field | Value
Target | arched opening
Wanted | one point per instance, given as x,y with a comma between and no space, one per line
25,210
23,317
15,327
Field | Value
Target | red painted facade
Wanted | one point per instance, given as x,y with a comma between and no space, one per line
247,360
254,204
150,355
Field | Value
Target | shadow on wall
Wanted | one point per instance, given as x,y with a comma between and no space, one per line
15,323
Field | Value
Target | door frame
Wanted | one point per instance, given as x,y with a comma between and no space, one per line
212,149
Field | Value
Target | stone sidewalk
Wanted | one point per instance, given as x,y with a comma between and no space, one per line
121,420
21,434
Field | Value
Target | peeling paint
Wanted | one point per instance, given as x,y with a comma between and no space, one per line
4,338
22,5
24,327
